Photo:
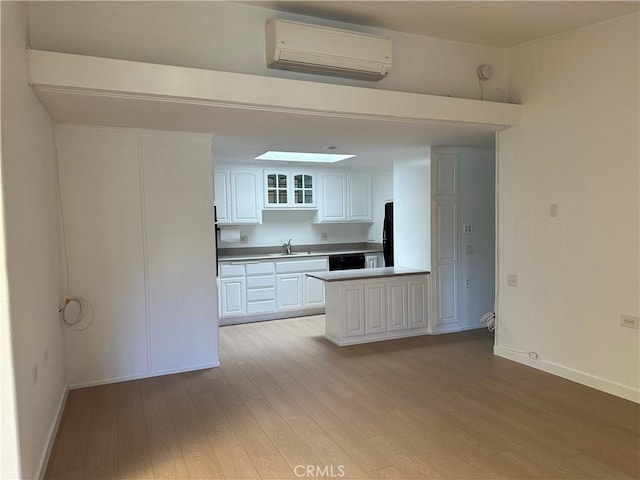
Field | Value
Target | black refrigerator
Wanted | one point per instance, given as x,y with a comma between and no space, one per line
387,235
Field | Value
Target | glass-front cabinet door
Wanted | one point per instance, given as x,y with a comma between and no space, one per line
287,189
303,189
277,189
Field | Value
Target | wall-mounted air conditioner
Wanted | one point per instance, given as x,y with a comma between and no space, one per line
308,48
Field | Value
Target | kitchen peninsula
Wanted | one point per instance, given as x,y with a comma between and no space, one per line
370,305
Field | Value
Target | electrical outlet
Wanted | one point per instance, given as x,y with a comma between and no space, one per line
324,236
630,321
467,283
467,229
512,280
468,249
534,355
34,372
244,238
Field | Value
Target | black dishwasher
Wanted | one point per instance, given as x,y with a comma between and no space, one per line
348,261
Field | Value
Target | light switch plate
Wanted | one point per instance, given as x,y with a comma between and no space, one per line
467,228
468,249
512,280
553,209
630,321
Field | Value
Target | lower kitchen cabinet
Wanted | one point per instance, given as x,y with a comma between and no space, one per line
375,307
313,292
361,311
289,291
232,297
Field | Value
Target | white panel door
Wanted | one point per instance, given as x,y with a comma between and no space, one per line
418,303
289,291
313,292
375,308
353,310
446,178
245,205
397,305
180,254
446,267
232,297
334,198
360,202
222,195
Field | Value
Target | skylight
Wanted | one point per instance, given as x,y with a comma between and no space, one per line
303,157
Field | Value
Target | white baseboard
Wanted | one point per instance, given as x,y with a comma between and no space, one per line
454,329
53,433
106,381
577,376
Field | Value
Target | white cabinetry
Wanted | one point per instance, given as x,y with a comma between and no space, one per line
261,287
232,301
289,291
313,292
245,203
382,308
289,189
346,197
359,197
237,194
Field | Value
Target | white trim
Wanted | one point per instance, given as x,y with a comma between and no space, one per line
81,74
53,433
106,381
379,337
435,331
577,376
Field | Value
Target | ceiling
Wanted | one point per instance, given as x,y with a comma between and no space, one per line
498,24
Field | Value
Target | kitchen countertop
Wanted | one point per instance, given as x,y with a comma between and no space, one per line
365,273
274,256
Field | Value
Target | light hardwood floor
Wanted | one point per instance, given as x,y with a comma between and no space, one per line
426,407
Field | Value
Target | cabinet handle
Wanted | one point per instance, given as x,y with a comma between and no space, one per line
244,263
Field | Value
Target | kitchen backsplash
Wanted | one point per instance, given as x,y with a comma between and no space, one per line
280,226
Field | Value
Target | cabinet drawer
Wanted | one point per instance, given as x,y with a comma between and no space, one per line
261,282
302,266
267,306
260,268
227,271
260,294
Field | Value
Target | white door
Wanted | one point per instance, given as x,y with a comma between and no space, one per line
244,196
232,297
360,198
222,195
334,196
289,291
313,292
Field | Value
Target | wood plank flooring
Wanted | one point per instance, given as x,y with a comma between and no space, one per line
286,401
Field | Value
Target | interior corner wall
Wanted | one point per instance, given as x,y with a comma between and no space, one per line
577,146
31,229
412,210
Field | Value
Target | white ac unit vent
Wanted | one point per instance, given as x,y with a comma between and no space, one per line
308,48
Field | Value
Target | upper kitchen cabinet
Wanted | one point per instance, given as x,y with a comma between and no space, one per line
289,189
346,197
237,196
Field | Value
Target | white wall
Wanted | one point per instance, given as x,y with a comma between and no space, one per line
138,216
279,226
230,37
382,193
412,210
577,146
476,208
32,247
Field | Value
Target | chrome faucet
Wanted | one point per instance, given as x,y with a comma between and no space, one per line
287,246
